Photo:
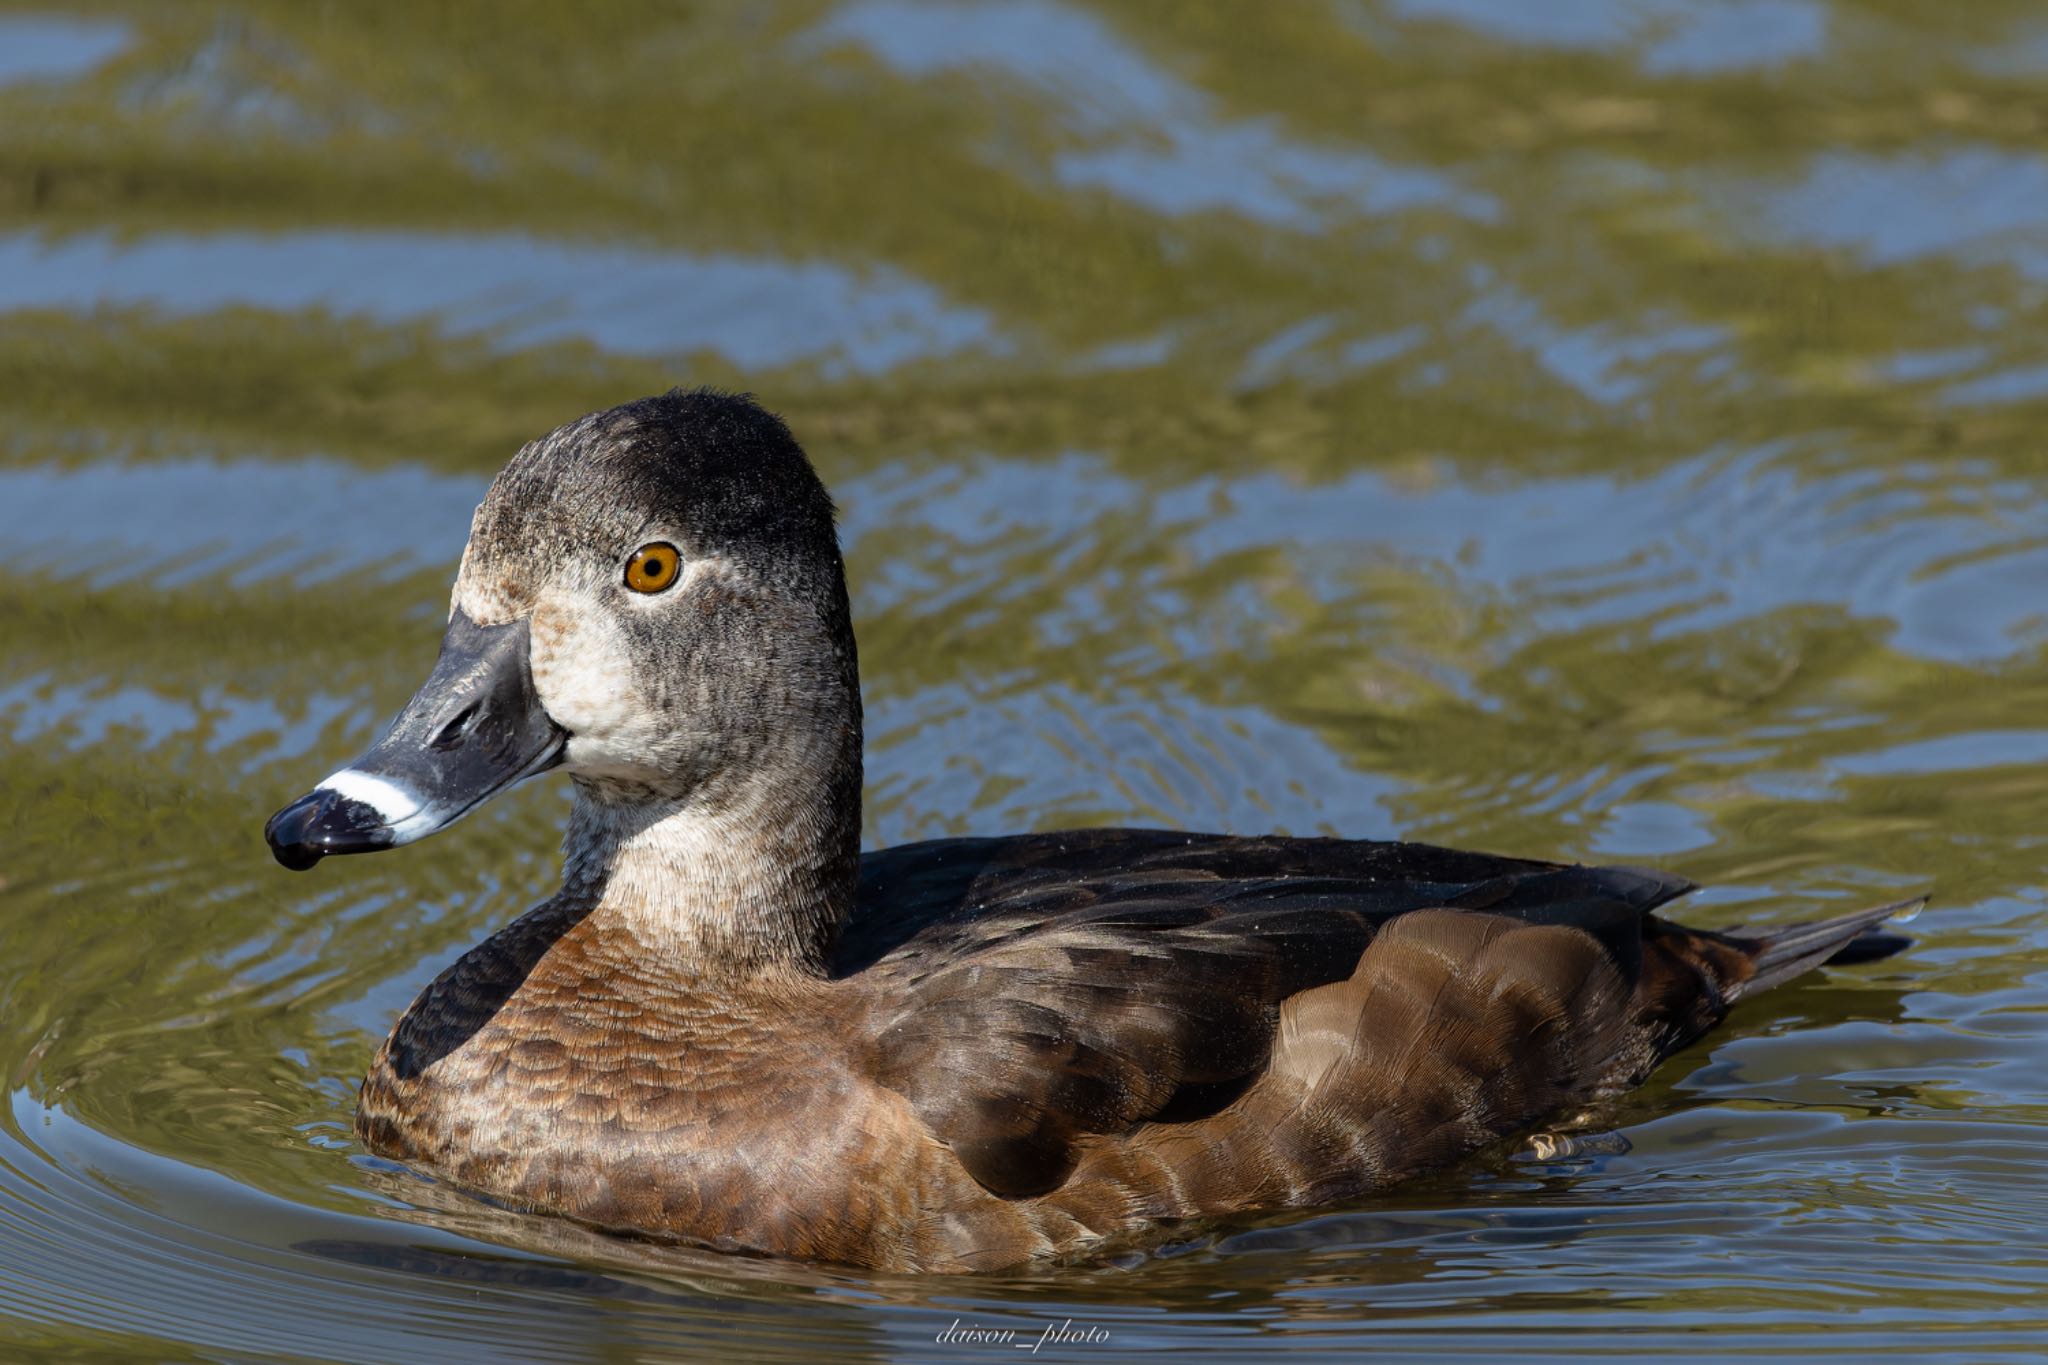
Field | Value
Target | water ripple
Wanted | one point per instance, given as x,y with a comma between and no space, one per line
522,290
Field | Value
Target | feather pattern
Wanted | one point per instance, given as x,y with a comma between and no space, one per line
1031,1046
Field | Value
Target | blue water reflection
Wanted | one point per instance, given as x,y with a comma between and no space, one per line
179,520
1156,141
1673,36
522,290
49,47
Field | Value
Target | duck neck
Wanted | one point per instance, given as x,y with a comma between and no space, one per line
743,879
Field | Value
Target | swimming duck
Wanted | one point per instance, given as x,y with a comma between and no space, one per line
731,1027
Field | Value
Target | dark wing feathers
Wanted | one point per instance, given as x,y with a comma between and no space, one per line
1091,1023
1050,986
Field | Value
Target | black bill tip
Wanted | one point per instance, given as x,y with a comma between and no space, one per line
323,822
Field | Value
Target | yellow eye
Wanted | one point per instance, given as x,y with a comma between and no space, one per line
653,567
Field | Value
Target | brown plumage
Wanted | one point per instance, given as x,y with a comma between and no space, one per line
729,1029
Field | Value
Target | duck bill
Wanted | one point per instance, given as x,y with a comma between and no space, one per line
475,728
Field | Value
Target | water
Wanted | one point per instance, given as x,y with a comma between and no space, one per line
1600,430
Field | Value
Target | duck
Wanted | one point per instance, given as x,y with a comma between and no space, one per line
732,1028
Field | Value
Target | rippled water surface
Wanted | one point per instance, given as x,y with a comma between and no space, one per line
1600,430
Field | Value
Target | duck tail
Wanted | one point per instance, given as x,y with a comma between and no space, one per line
1777,955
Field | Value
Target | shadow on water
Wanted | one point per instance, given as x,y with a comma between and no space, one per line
1606,431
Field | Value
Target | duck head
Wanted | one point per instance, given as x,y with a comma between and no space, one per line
652,600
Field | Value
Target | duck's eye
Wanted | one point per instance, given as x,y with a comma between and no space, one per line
653,567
